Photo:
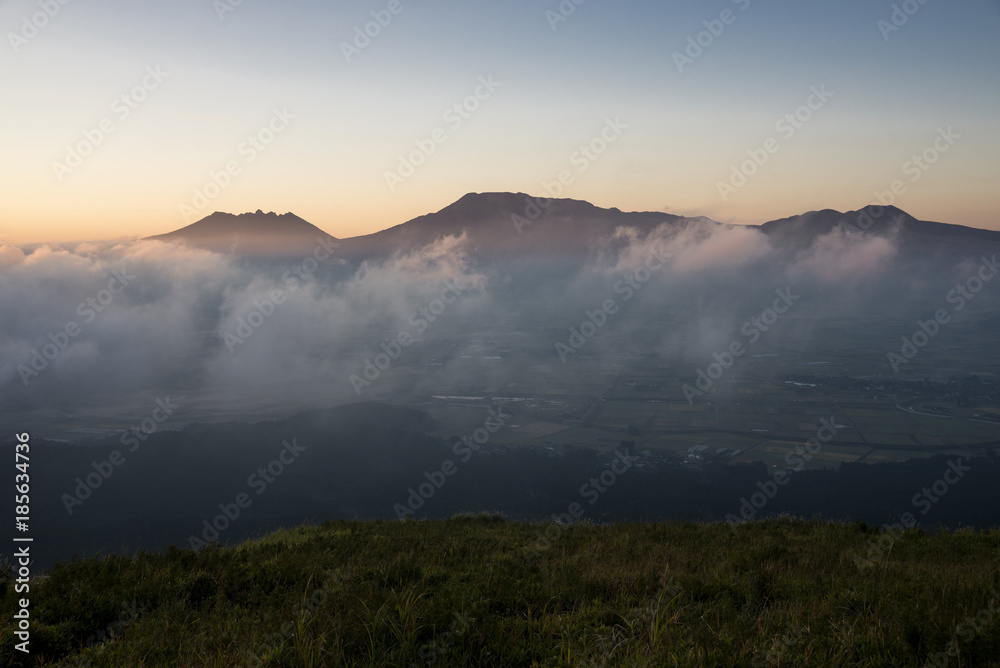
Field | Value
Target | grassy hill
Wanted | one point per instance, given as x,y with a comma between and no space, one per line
479,591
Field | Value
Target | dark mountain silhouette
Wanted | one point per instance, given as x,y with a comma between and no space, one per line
798,232
502,225
519,227
255,234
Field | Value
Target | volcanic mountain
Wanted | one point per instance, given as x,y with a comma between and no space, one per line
510,225
798,232
518,227
255,234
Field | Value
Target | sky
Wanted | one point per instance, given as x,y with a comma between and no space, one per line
128,118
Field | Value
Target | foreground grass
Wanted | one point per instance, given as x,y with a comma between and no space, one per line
483,592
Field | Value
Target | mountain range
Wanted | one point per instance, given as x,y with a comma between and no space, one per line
503,225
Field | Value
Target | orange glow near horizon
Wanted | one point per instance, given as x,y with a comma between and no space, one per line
198,88
131,220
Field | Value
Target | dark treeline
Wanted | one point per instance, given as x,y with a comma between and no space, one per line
375,461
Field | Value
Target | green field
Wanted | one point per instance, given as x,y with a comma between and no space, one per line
478,591
604,395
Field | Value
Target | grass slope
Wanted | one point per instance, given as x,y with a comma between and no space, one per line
478,591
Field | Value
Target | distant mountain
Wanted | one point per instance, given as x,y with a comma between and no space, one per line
255,234
518,227
798,232
509,225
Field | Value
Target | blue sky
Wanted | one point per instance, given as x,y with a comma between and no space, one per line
353,121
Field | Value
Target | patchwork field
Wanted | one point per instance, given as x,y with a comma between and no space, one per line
761,409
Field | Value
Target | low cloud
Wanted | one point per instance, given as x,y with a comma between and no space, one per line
80,326
240,334
837,258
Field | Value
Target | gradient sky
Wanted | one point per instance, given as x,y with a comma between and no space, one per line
352,120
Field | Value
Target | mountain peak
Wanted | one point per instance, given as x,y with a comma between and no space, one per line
888,213
251,215
800,231
255,234
481,206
